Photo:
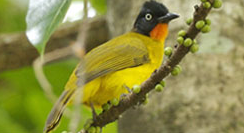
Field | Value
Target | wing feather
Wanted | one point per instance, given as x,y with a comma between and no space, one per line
112,56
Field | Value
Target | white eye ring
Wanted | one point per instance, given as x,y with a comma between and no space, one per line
148,16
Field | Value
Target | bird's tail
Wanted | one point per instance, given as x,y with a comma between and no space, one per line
57,110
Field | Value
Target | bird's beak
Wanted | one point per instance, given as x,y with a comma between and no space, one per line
168,17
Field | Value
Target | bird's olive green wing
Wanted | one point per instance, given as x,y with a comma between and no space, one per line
112,56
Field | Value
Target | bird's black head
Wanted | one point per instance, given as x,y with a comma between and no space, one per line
150,15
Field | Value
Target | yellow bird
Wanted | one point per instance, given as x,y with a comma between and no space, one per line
126,60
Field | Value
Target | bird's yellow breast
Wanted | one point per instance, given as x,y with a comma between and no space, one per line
105,88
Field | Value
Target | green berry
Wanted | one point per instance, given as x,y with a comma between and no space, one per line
194,48
106,106
179,67
136,89
114,102
194,41
206,29
176,71
145,101
187,42
159,87
200,24
98,129
189,21
168,51
206,5
88,124
217,3
146,96
163,83
92,130
182,33
180,40
203,0
208,21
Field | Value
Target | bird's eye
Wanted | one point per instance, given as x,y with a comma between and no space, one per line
148,16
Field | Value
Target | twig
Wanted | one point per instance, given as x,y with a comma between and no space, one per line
38,70
132,99
79,50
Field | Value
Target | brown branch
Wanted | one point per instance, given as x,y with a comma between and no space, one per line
132,99
16,51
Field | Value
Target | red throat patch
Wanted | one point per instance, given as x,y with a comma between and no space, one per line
159,32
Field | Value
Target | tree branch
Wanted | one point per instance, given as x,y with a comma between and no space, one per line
132,99
16,51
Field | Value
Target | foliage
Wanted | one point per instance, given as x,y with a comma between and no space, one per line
42,19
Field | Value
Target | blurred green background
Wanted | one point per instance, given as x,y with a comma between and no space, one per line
23,105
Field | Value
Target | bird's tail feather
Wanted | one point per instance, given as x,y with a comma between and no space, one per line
58,109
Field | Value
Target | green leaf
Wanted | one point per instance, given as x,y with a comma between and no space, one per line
42,19
99,5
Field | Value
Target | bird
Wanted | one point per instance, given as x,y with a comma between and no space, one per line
108,70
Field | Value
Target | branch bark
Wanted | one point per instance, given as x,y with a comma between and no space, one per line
132,99
16,51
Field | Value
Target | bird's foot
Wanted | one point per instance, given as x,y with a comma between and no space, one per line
127,88
94,114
